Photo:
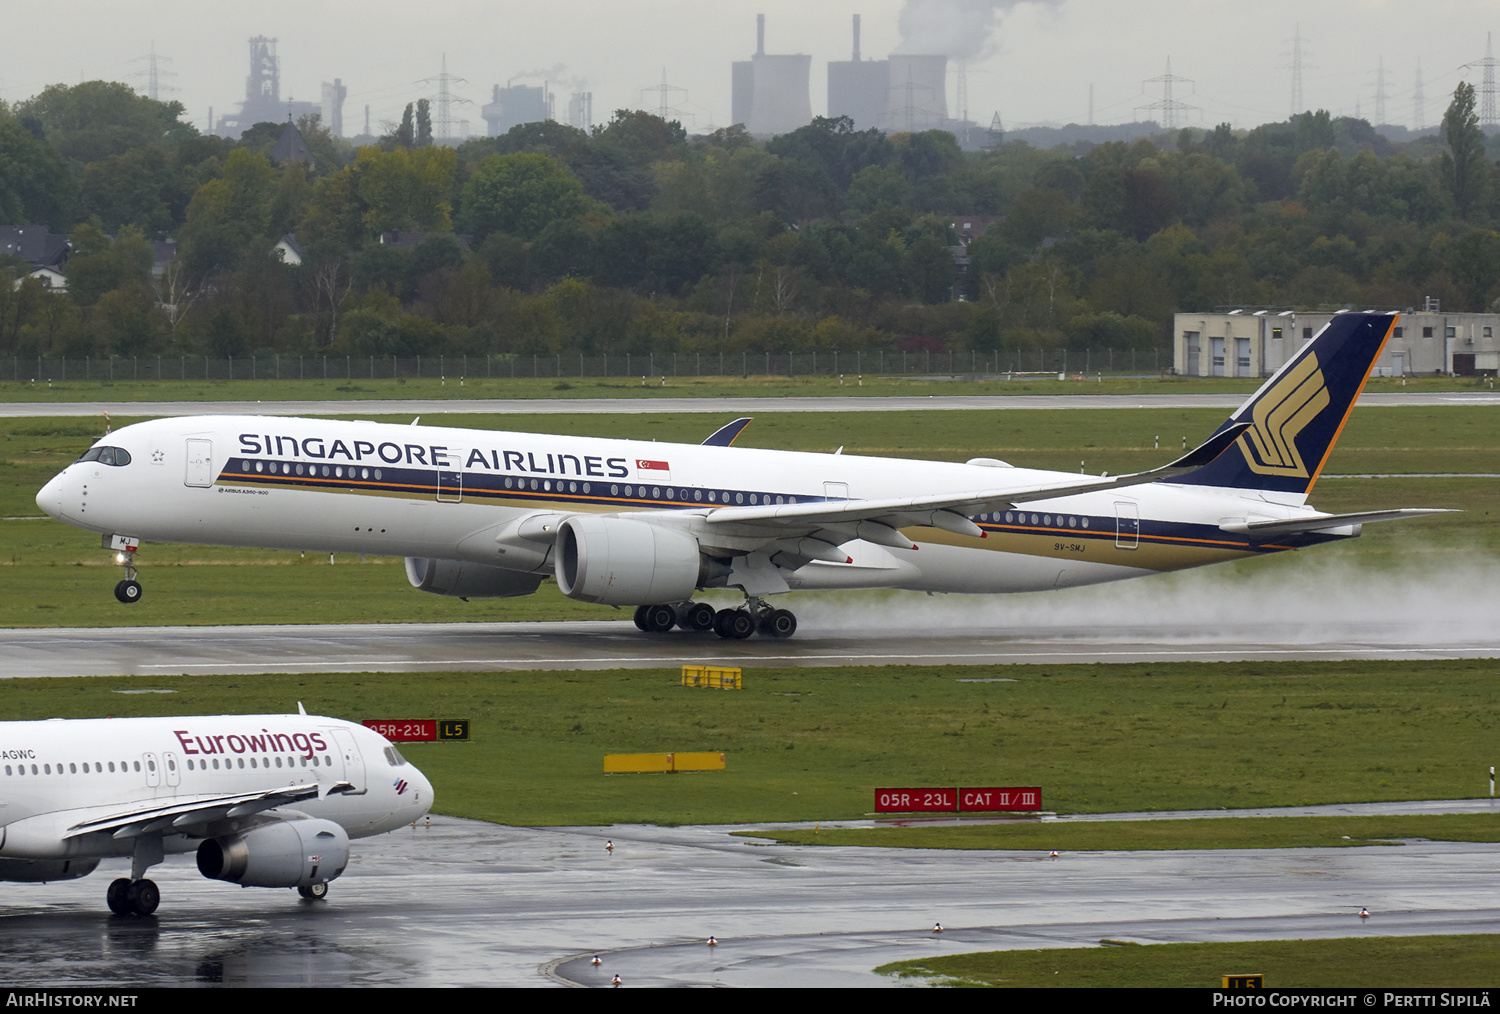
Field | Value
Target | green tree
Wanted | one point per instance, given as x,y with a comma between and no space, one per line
519,195
36,185
1466,170
424,123
93,120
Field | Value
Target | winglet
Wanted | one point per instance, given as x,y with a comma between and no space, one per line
725,435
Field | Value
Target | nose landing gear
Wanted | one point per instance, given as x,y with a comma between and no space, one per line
127,591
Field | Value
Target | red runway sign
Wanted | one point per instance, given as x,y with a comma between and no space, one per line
404,730
989,800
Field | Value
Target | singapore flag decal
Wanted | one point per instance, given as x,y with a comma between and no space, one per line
646,466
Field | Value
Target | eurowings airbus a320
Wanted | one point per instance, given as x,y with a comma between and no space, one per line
265,800
630,523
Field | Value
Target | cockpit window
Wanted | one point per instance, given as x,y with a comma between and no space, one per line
107,455
393,758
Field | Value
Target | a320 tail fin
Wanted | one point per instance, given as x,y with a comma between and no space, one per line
1298,413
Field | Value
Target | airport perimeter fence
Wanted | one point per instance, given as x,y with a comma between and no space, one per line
649,367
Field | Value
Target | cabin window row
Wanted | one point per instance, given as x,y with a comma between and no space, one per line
100,767
313,471
1045,520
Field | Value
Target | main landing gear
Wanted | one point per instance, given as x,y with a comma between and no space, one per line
133,897
755,616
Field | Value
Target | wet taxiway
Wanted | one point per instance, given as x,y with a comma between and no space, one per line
463,903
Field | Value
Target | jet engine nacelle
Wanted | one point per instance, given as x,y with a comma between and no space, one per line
43,871
468,580
285,853
624,562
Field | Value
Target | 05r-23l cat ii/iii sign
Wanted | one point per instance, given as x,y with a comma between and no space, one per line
629,523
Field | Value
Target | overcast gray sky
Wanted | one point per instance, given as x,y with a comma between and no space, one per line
1034,61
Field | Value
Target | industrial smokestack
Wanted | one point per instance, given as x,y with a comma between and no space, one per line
760,35
856,38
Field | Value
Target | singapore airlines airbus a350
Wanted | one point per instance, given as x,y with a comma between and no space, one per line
265,800
629,523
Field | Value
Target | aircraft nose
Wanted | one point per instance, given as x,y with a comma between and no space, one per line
422,801
50,497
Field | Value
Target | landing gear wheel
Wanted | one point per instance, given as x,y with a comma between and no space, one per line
117,896
734,624
640,617
660,619
699,616
143,896
317,892
778,623
128,592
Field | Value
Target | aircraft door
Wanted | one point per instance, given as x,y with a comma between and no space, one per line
151,769
1127,525
354,764
200,454
170,769
450,481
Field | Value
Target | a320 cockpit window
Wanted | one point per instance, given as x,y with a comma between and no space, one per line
107,455
393,758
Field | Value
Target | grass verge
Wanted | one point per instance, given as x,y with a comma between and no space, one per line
1354,962
1159,835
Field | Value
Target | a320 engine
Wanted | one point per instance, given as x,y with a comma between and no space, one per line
623,562
285,853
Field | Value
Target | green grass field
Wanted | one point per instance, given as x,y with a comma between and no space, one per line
814,744
1353,961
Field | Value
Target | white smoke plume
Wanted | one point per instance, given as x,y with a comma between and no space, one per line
960,29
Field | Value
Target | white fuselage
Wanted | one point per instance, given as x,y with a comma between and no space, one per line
56,775
447,493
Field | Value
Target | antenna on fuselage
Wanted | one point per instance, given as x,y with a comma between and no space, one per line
300,709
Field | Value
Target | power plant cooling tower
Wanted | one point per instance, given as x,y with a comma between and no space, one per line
859,89
769,93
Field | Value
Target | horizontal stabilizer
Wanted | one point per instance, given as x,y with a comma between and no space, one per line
1276,529
724,435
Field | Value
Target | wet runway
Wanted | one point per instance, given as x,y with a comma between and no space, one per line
470,904
485,647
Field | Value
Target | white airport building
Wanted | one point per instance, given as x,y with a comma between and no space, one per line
1255,343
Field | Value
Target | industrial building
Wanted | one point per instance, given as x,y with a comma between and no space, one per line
263,95
905,92
1255,343
515,104
769,93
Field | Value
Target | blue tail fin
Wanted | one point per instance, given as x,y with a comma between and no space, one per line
1297,415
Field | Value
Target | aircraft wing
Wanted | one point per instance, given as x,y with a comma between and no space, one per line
146,818
950,511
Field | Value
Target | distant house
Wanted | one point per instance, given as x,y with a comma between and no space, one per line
45,250
970,227
163,252
291,147
288,251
